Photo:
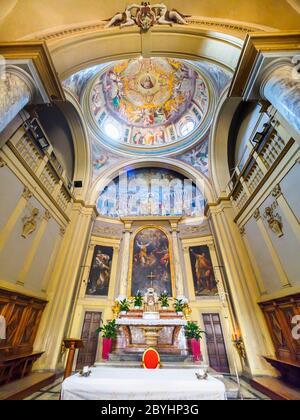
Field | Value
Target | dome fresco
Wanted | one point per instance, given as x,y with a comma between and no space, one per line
148,103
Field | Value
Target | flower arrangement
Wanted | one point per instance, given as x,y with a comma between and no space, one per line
164,299
138,300
108,330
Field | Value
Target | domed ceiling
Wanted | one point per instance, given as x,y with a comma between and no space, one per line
148,105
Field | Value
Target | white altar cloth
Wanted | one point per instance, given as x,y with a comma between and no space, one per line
107,383
151,322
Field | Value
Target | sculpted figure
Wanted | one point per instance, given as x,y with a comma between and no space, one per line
122,19
168,17
30,224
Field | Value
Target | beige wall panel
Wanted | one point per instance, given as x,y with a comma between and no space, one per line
35,276
291,191
17,248
11,190
263,258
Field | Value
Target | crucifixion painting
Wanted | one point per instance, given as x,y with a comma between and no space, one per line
151,266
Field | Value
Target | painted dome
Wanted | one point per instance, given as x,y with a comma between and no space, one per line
148,104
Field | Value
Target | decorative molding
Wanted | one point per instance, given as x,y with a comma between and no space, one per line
146,15
62,231
193,20
277,192
242,230
2,163
30,223
27,194
274,220
47,215
254,52
38,54
256,214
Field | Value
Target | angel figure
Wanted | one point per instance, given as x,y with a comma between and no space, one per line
168,17
122,19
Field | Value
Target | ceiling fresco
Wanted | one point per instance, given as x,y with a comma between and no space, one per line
149,107
147,103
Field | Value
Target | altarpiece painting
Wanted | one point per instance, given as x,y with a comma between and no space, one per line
151,262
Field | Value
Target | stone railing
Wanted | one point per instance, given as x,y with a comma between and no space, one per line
44,168
266,150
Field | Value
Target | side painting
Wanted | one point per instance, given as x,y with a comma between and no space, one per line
203,273
151,262
99,278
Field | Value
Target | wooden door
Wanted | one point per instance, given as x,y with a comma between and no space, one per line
87,355
215,343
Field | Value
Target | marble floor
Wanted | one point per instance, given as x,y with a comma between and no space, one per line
52,392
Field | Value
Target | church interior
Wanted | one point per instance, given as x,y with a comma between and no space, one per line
149,207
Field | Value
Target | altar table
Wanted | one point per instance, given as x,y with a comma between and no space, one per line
107,383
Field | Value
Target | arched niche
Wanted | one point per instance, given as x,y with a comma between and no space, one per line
75,118
108,175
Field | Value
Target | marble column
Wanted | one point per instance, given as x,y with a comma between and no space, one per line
16,91
125,260
281,88
177,266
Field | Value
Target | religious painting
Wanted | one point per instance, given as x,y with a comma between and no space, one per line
151,265
99,278
136,101
203,273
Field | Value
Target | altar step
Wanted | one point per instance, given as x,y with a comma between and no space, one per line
137,357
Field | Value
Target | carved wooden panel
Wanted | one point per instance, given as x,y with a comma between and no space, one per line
279,314
22,315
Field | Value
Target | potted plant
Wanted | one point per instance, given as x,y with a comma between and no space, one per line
179,306
124,304
194,334
164,300
109,333
138,300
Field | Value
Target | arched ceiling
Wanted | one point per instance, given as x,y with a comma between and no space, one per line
37,16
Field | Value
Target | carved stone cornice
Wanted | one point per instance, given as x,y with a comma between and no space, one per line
27,194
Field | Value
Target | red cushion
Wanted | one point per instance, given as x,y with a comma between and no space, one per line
151,359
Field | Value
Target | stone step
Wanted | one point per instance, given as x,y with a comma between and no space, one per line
137,357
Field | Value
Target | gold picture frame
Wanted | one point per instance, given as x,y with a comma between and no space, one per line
170,247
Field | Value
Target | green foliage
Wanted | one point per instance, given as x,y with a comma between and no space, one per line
192,330
164,299
138,300
178,305
109,330
124,305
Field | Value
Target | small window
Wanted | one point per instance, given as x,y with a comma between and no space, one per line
187,127
112,131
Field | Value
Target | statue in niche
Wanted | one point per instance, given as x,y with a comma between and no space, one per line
30,223
274,221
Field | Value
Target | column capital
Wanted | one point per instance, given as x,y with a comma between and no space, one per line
277,192
27,194
47,215
242,230
2,163
257,214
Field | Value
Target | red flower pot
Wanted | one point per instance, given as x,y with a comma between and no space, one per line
195,347
106,348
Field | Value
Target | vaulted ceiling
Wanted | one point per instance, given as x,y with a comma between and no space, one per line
21,18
